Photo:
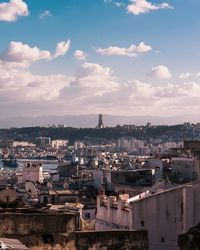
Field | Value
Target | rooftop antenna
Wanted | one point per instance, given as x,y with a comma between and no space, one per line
31,189
100,122
8,196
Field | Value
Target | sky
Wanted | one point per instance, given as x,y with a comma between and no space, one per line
119,57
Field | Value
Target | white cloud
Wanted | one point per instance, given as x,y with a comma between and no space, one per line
80,55
45,13
132,51
10,11
62,48
137,7
27,91
185,75
92,85
116,3
95,76
23,55
90,81
161,72
119,4
20,83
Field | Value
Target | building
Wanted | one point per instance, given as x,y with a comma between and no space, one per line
23,144
33,172
165,214
79,145
191,146
59,143
112,214
185,169
130,144
43,142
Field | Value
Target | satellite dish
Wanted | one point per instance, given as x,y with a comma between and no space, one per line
31,189
66,185
2,245
8,196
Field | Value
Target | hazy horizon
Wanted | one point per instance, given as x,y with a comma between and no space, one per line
89,121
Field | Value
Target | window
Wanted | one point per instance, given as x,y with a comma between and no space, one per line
87,215
48,238
162,239
142,223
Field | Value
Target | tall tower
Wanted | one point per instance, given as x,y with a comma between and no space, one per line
100,123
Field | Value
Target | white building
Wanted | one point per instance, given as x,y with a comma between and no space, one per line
129,144
164,215
23,144
78,145
59,143
33,172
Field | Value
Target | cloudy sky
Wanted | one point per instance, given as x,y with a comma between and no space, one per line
121,57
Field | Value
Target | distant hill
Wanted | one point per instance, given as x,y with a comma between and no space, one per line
90,121
159,133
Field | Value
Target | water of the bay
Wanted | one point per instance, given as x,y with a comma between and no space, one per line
48,166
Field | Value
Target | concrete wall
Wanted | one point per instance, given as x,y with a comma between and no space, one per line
116,240
30,228
164,215
167,214
112,214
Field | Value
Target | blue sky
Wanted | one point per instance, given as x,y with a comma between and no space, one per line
161,78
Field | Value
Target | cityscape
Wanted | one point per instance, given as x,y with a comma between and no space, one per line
99,125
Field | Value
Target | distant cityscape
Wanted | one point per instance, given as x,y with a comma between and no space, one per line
91,182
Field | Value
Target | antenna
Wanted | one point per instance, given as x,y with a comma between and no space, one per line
8,196
31,189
